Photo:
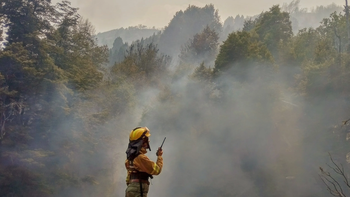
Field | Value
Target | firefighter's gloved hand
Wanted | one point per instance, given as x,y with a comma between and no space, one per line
159,152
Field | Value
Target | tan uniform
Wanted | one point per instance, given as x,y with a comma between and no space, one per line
141,164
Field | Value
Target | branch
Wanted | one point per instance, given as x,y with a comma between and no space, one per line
10,110
345,122
329,180
333,185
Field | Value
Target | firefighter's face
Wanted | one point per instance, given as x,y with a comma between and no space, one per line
146,143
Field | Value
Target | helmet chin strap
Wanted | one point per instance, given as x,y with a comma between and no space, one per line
145,140
149,146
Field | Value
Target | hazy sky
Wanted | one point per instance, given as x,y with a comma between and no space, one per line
111,14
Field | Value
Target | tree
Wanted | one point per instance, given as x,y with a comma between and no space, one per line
185,24
202,48
78,55
142,65
29,24
274,28
250,24
304,44
45,59
232,24
117,52
26,20
241,51
325,48
334,28
202,73
292,7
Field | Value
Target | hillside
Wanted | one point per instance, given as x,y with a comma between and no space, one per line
127,34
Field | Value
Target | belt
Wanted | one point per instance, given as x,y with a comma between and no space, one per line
138,180
140,175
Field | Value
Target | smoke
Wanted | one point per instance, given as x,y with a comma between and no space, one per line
232,137
250,136
108,14
253,138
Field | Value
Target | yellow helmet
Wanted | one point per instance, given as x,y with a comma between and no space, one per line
139,132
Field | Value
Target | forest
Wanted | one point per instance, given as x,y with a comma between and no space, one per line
253,106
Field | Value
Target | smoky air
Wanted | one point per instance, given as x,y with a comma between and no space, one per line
250,104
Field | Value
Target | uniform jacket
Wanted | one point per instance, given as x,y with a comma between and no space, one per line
143,164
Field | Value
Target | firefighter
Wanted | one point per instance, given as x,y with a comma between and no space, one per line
139,167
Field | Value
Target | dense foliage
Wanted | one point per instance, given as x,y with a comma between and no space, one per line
203,47
187,23
49,66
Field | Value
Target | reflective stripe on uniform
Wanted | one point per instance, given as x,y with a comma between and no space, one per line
155,169
128,178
